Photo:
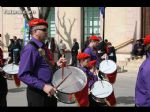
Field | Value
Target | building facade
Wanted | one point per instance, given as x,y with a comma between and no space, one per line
122,24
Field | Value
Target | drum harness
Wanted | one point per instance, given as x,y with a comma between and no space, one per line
42,53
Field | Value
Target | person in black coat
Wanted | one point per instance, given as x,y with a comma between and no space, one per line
101,49
74,52
14,50
111,52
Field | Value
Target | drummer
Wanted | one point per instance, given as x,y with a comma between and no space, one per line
91,49
34,70
82,96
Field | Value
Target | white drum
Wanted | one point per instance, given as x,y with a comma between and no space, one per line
107,66
11,69
100,90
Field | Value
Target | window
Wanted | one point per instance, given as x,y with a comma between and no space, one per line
51,22
91,21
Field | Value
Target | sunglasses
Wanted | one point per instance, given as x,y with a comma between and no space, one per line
44,29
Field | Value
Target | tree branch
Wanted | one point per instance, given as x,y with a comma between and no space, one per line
30,12
61,34
47,10
25,15
71,25
40,12
59,19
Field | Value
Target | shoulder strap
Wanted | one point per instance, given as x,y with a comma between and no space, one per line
33,44
37,47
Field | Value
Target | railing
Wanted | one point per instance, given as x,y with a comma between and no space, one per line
124,44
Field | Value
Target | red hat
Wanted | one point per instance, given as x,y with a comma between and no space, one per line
95,38
147,39
83,56
35,22
91,64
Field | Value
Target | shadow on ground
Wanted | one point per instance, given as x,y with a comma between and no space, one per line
125,100
14,90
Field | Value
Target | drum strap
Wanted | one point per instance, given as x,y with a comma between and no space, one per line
44,56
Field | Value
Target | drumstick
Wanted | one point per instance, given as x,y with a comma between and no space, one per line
63,80
62,67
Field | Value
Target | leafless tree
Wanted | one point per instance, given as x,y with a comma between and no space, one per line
67,37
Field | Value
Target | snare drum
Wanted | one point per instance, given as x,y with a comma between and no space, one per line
12,70
101,90
109,68
73,84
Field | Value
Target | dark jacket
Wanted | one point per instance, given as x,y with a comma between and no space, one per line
112,54
75,48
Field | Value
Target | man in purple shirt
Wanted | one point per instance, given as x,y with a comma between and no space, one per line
34,69
142,89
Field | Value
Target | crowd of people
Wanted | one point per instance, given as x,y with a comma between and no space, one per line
37,66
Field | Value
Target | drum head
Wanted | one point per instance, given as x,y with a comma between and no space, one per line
101,89
11,69
74,83
107,66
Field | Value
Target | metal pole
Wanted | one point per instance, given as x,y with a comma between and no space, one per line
104,24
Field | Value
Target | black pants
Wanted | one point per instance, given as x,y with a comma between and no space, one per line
3,91
38,98
3,101
74,59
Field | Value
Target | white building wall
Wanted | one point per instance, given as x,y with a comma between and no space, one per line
122,24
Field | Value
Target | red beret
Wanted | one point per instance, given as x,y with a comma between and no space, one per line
35,22
91,64
83,56
147,39
95,38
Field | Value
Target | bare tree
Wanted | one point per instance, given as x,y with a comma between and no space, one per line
67,37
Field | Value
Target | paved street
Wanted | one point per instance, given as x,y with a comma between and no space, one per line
124,90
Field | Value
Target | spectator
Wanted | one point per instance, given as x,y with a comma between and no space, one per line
74,52
138,49
62,47
111,52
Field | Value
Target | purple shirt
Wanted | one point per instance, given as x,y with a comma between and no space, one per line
93,53
91,77
33,69
142,89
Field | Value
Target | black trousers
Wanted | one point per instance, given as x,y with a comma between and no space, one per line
74,59
3,91
38,98
3,101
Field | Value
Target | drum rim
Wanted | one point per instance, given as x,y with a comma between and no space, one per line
102,81
8,65
64,101
111,61
86,80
